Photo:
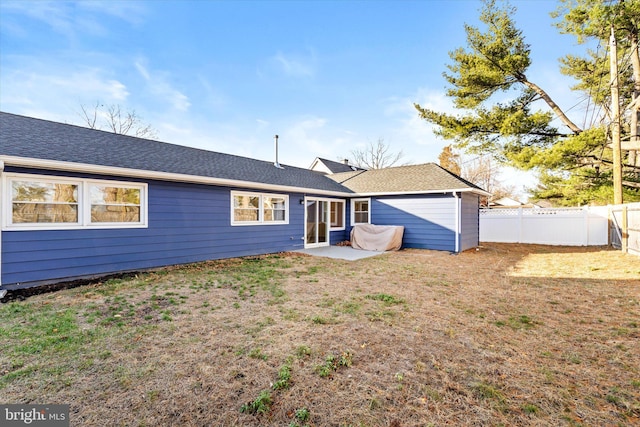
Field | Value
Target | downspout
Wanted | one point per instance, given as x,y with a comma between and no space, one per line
3,292
457,230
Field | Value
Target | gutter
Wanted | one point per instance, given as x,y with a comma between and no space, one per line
197,179
406,193
458,200
162,176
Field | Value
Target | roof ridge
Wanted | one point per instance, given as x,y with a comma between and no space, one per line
352,175
74,147
146,140
458,177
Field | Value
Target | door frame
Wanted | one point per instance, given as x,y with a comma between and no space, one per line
317,222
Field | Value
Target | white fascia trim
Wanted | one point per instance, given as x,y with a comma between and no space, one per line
314,163
163,176
406,193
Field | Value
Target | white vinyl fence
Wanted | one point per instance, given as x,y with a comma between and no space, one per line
587,226
625,227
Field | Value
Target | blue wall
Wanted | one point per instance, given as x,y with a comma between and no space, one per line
190,223
338,236
470,221
187,223
429,220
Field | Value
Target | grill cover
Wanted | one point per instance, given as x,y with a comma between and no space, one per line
377,237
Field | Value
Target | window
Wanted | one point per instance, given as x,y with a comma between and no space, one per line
273,208
110,204
256,208
37,202
337,215
360,211
42,202
246,208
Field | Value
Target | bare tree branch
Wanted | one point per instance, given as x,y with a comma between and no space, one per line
376,156
116,120
89,117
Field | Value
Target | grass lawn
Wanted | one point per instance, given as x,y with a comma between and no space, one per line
506,335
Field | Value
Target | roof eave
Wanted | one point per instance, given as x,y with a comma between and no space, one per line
162,176
477,191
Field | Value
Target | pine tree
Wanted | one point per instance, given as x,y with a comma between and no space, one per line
574,162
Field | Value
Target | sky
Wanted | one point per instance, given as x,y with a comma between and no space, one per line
328,77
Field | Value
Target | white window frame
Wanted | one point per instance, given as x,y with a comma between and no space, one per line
353,210
261,220
344,215
84,203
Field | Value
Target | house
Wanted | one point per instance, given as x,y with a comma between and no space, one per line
438,209
509,203
330,166
505,202
80,203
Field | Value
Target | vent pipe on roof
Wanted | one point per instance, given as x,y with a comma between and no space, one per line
276,163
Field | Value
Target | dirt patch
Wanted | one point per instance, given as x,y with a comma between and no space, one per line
505,335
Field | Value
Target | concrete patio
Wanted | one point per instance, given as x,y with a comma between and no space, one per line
339,252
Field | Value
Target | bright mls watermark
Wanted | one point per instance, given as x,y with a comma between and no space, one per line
34,415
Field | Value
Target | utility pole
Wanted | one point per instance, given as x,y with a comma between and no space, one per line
615,120
634,149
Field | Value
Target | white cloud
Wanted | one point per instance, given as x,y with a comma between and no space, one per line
56,15
117,90
60,90
212,96
420,144
129,11
74,19
411,133
301,138
306,133
158,85
301,128
292,65
306,138
142,69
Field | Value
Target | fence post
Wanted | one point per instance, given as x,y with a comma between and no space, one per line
625,230
520,226
585,224
609,225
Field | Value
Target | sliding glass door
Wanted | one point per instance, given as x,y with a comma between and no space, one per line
317,223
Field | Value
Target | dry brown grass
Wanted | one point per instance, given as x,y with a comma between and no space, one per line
506,335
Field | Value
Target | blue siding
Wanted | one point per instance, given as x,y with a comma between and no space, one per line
190,223
429,220
470,221
187,223
338,236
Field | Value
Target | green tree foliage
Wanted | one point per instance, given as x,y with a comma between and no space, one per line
504,113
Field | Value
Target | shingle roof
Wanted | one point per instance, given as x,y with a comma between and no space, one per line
32,138
337,167
41,139
427,177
